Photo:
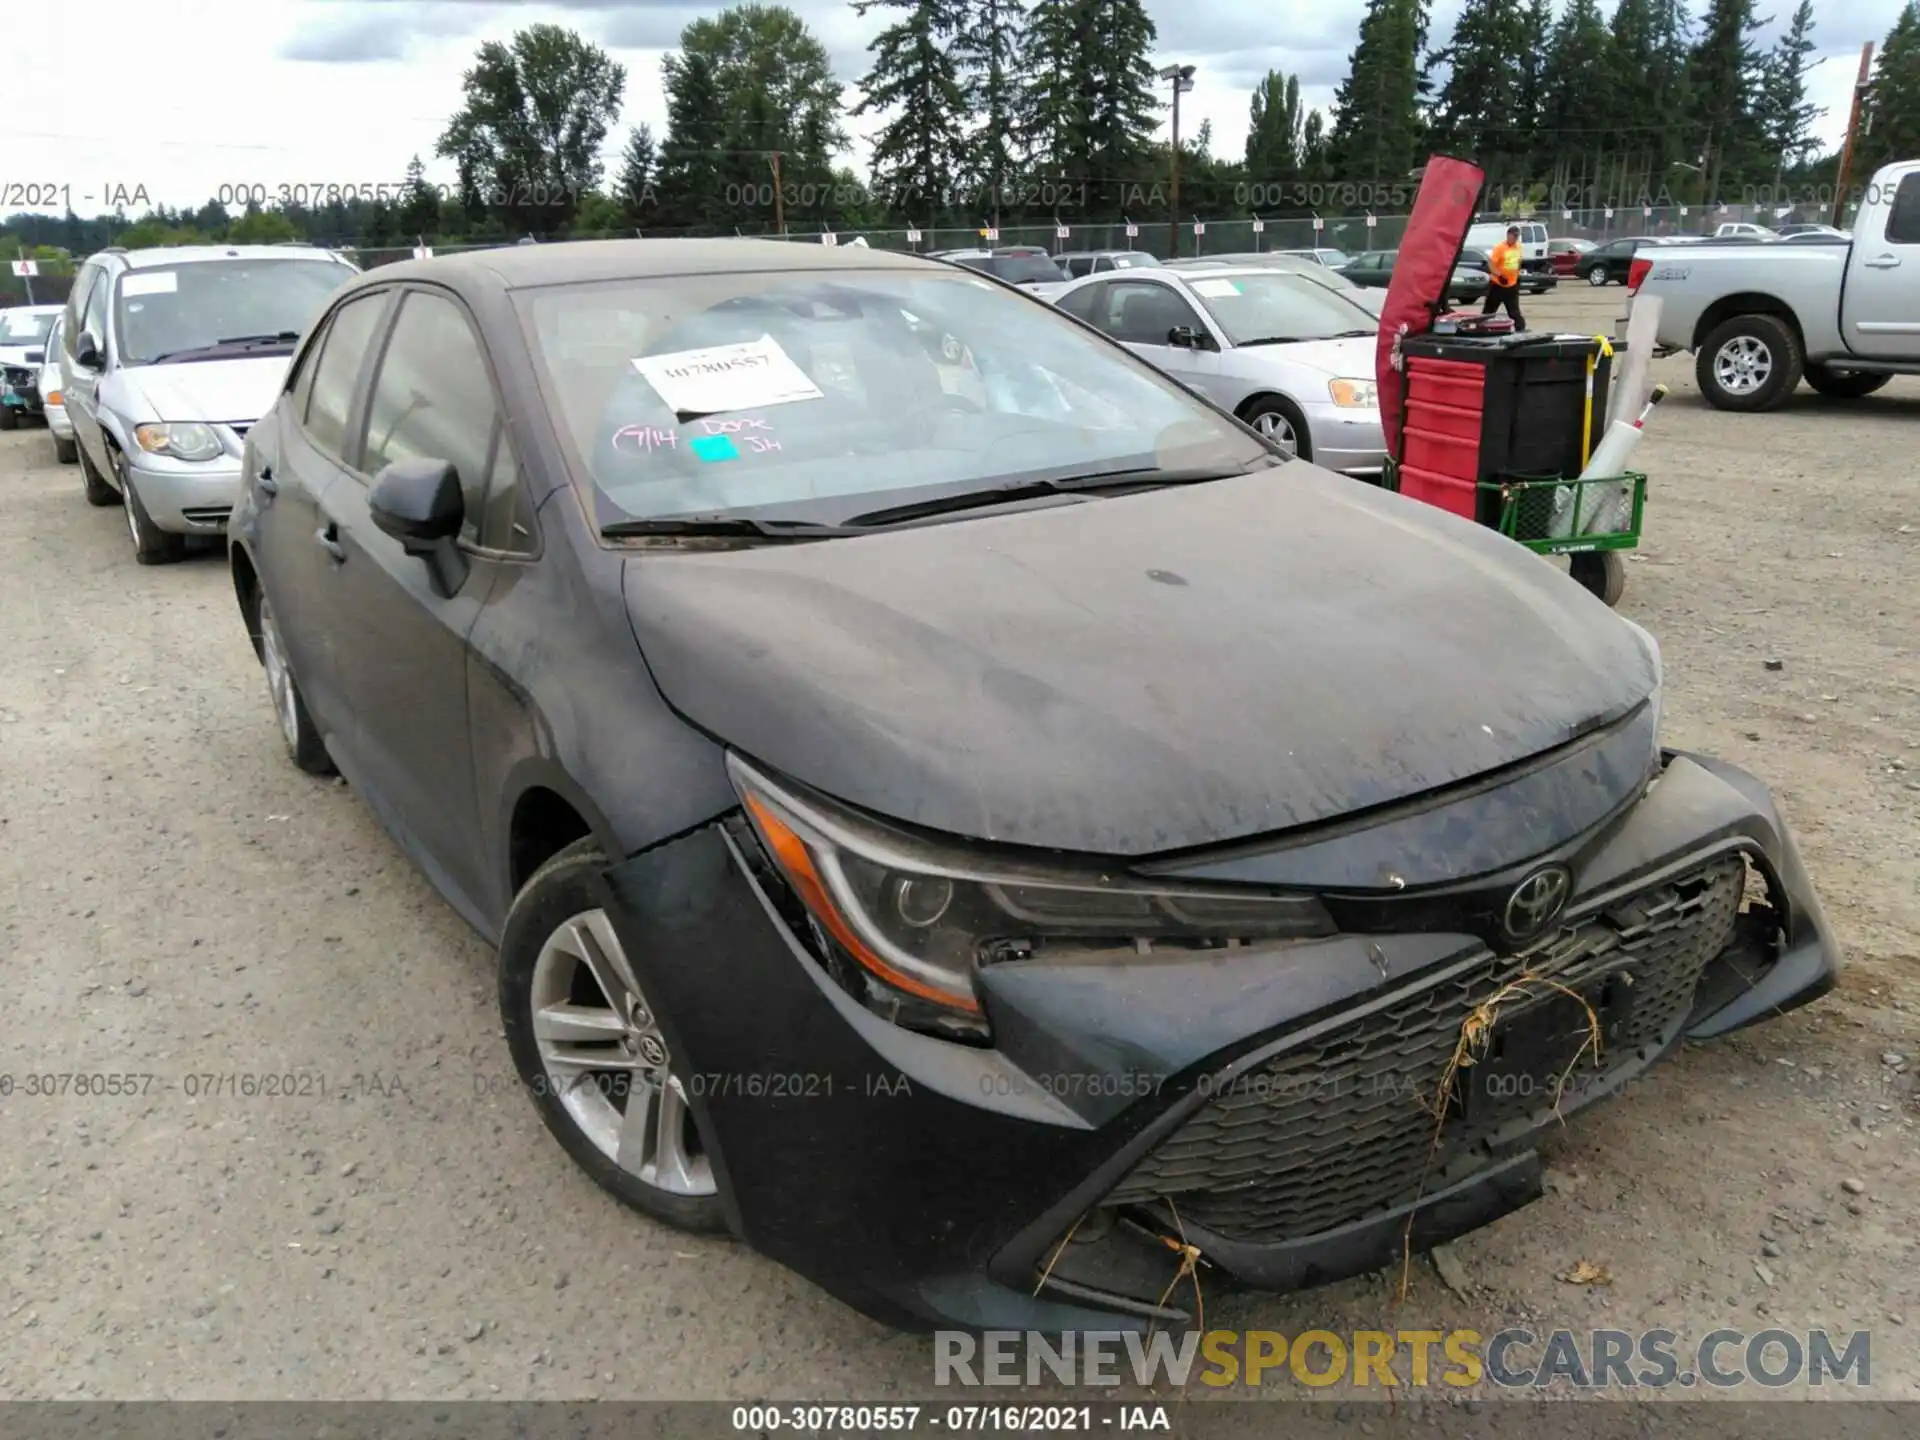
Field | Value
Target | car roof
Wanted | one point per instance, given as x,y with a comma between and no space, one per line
187,254
569,262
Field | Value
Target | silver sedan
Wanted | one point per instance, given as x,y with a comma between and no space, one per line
1290,357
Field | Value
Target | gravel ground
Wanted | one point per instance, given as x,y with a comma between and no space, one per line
176,900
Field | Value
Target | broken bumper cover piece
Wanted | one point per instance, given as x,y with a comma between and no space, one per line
1279,1108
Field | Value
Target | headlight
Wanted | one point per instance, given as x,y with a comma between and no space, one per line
906,926
183,442
1354,394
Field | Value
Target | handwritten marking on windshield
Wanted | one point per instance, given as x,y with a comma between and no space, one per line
645,439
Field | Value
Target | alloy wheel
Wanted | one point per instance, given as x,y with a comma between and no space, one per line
1277,428
126,502
607,1062
1743,365
1596,277
273,656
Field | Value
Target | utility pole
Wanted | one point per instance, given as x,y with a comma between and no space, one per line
779,201
1181,77
1853,130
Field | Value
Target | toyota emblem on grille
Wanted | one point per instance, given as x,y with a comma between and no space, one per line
1536,901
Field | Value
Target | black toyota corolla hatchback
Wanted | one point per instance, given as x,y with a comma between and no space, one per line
960,812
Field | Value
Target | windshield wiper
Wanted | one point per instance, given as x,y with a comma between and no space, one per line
278,337
723,525
1142,477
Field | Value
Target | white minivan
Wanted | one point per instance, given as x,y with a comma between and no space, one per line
1533,240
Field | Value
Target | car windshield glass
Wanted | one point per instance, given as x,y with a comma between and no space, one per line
197,305
24,327
1026,269
809,394
1275,305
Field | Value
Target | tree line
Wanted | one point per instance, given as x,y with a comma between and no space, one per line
1023,111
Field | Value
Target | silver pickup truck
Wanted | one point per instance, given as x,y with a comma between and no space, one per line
1761,316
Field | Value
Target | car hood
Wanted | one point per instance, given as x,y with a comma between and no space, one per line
216,391
1150,673
33,356
1352,356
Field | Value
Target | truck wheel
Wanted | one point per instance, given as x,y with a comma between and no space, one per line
1603,572
8,418
1844,384
1597,276
1749,363
65,451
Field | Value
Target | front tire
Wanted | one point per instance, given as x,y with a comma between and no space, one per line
588,1049
1280,420
151,544
1844,384
65,451
1749,363
1597,276
9,419
304,744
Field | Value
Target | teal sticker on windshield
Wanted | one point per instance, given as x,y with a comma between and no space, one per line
714,447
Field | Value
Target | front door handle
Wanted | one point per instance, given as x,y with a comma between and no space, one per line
268,485
1882,262
328,537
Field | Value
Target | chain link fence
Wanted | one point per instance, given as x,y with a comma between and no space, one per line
1194,237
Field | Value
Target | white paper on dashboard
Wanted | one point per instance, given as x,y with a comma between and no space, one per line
150,282
1215,289
746,376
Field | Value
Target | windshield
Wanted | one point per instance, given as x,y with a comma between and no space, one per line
206,305
1024,269
25,327
1274,305
809,393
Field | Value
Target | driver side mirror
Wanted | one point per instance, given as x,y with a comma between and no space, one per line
418,502
1184,337
86,351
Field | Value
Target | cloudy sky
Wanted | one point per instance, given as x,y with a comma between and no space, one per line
183,97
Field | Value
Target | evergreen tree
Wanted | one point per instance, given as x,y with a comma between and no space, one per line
1377,132
1316,161
988,49
1576,108
692,181
1724,76
1088,99
1786,118
633,188
920,153
1275,132
1478,111
1891,114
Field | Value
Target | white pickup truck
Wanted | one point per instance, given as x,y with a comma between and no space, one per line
1842,315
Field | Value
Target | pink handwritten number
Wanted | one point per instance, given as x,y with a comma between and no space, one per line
644,438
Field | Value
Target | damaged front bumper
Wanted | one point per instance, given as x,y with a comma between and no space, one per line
1297,1115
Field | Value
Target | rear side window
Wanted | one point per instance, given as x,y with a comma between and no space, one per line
1903,221
330,399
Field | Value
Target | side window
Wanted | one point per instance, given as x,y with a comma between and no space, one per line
1143,313
300,383
336,374
509,516
77,306
94,316
1903,221
1081,302
433,397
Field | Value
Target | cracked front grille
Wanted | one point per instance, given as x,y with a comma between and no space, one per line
1342,1127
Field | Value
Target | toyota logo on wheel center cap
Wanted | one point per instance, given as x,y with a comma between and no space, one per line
1536,901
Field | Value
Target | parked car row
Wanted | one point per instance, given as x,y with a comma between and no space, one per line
953,805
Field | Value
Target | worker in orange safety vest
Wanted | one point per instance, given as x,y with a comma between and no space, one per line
1503,279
